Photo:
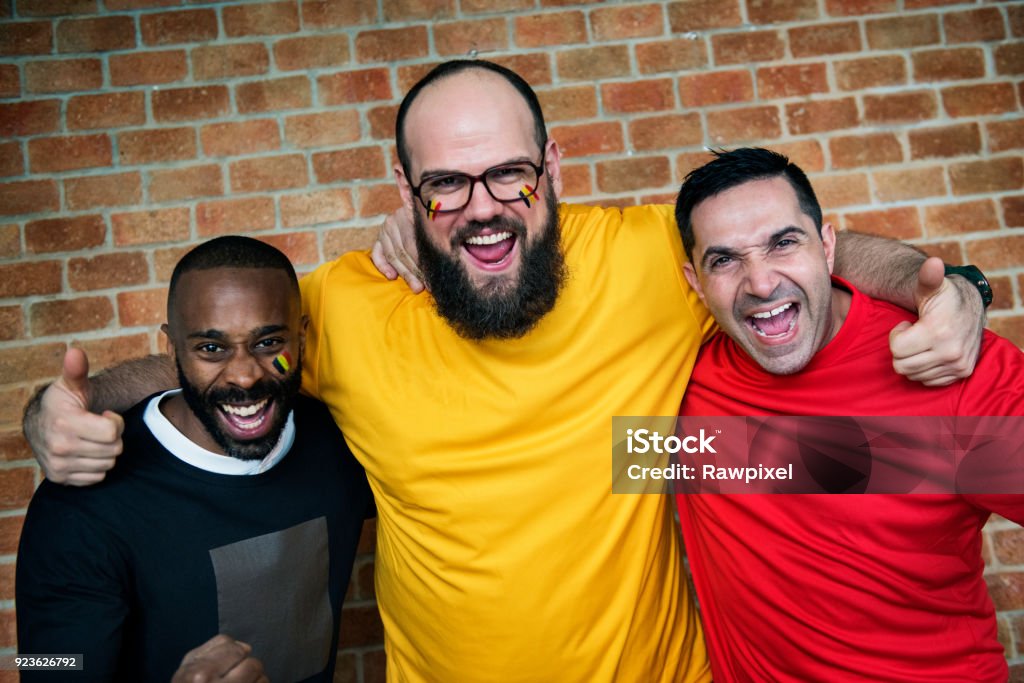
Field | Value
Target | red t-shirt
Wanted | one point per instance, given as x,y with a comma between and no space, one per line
847,587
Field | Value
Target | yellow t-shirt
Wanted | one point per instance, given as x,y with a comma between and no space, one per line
502,554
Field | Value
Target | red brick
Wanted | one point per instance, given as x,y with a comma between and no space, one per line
179,26
865,150
576,181
1010,61
323,130
293,92
1012,328
156,145
334,14
67,75
212,62
836,191
1002,293
10,532
743,125
544,30
138,4
144,68
623,175
107,270
671,55
262,19
974,26
593,63
909,183
870,72
979,100
988,175
26,38
900,107
839,8
14,447
355,86
12,161
109,110
188,104
699,15
566,104
142,307
54,8
28,363
949,251
807,154
822,115
10,81
589,138
390,45
12,326
10,241
12,401
31,278
349,164
342,241
70,315
900,223
379,200
903,32
185,183
661,132
268,173
104,353
121,189
469,37
621,23
31,117
412,10
1015,13
947,141
311,52
300,247
102,34
825,39
1013,213
716,87
64,234
409,75
956,219
746,47
534,68
28,196
949,65
364,626
148,227
473,6
16,488
242,137
66,153
637,96
164,260
791,80
313,208
234,216
762,12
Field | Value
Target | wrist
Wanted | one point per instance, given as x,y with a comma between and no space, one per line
975,278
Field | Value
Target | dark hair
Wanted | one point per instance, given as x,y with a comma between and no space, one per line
230,251
452,68
729,169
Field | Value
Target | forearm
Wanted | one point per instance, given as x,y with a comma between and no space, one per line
881,268
122,386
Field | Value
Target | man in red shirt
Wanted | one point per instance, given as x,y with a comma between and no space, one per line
825,587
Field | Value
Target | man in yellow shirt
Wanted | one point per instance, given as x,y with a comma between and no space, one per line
483,413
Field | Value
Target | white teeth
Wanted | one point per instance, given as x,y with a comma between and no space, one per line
489,239
243,411
772,313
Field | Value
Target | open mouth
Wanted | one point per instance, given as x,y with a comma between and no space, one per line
492,250
247,421
775,324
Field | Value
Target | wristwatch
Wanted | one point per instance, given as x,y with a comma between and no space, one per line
976,278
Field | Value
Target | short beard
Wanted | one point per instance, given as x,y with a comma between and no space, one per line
204,407
500,310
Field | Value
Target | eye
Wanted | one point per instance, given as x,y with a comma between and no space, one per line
444,184
508,174
785,242
720,261
269,344
209,348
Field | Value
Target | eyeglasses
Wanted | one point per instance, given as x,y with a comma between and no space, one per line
505,183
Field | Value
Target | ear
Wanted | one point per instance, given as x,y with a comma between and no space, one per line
553,166
404,188
828,241
168,345
691,276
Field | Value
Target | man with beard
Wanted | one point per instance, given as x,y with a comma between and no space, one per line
235,508
828,587
482,412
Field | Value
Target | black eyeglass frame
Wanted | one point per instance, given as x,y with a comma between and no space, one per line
538,168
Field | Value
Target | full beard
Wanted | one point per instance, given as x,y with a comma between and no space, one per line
502,309
205,407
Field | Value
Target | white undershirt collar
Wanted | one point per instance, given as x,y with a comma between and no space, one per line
193,454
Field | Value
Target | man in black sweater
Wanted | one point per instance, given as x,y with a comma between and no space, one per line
235,508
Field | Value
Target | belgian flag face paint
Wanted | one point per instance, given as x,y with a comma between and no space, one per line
283,362
528,193
432,208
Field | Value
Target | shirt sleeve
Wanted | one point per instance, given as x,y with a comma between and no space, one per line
71,589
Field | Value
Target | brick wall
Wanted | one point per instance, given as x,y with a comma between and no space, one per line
131,129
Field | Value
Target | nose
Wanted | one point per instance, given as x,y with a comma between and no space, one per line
762,279
243,370
482,207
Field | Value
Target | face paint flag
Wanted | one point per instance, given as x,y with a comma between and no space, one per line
283,363
528,193
432,208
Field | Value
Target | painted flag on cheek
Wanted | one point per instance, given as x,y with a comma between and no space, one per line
432,208
283,363
528,193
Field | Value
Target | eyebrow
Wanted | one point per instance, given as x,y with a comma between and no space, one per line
436,172
774,237
219,335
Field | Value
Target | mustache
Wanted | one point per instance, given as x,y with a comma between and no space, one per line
257,392
746,301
